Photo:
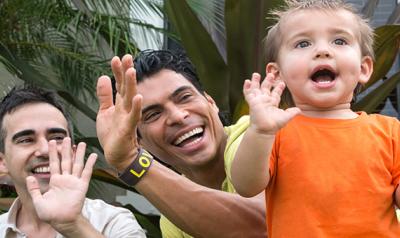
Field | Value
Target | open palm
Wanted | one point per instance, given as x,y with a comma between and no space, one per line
263,99
116,123
63,201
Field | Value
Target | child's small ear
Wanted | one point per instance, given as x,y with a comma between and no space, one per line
272,68
367,67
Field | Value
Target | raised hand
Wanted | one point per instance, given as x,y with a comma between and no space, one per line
62,203
263,99
116,124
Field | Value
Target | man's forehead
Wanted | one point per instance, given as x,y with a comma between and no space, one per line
162,85
35,117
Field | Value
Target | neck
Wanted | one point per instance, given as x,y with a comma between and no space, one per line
342,111
28,221
211,174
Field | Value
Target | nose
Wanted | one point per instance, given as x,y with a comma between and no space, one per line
42,148
176,115
322,51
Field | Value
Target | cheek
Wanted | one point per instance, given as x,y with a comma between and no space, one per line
150,135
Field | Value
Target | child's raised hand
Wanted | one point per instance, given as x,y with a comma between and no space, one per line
263,99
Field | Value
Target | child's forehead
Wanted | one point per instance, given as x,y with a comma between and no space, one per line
307,15
304,20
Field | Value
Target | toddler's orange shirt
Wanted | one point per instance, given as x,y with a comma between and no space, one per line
334,178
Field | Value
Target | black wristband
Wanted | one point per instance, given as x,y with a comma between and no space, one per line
137,169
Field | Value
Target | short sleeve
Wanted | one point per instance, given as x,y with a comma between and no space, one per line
111,221
396,153
169,230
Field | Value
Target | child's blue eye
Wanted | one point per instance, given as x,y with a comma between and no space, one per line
303,44
339,42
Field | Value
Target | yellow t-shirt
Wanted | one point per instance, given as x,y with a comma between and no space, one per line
235,134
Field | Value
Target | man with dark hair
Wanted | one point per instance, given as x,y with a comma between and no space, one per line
50,177
161,99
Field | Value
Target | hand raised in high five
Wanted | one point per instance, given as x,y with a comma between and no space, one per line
61,205
263,100
116,123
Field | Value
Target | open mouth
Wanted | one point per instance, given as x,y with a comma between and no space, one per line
323,76
41,170
190,137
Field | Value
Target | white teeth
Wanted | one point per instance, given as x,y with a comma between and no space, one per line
324,82
45,169
189,134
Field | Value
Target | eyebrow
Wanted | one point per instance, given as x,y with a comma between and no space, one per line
174,94
31,132
331,31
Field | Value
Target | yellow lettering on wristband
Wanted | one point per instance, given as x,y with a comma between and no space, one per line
137,174
144,161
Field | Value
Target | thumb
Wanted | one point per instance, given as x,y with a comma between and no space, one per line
104,93
33,188
292,112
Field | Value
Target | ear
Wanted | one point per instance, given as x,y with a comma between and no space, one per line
272,68
3,164
367,67
211,101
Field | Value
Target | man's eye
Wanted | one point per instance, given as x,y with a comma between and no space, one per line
151,116
303,44
24,140
339,42
185,97
57,138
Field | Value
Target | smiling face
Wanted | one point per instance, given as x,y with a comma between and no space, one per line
320,59
27,132
179,125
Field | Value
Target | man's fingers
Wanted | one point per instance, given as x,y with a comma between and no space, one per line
127,62
116,66
136,112
66,156
87,171
130,87
33,188
104,93
79,159
123,66
53,158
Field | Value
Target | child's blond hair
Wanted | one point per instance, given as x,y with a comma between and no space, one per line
274,37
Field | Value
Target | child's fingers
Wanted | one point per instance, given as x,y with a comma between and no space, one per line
255,81
277,92
292,112
268,83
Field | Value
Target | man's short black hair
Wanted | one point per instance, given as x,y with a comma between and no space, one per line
150,62
19,96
